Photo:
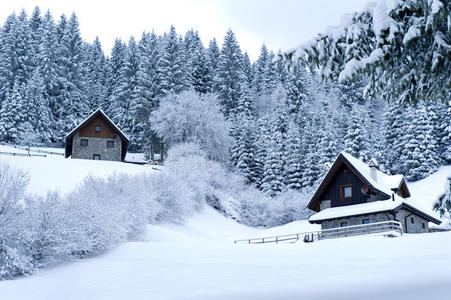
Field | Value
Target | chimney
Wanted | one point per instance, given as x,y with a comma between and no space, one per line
395,191
327,166
374,166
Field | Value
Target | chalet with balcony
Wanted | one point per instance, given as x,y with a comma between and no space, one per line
355,193
97,138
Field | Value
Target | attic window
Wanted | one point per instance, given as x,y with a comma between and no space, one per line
98,128
346,191
345,172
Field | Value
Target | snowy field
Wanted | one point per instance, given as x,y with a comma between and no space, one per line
198,259
56,173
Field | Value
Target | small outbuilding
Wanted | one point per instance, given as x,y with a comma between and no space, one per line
98,138
355,193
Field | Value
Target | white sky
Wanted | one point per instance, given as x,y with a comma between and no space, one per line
280,24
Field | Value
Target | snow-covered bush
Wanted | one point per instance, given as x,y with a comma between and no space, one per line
191,117
226,191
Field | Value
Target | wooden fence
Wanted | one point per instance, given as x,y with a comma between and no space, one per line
28,149
389,228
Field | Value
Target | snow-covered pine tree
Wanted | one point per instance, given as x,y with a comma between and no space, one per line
12,115
229,73
402,49
419,157
171,68
248,70
395,126
123,105
39,116
260,65
201,70
294,158
243,151
47,66
356,140
115,64
272,180
213,54
71,102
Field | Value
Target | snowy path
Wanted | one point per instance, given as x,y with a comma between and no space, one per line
198,260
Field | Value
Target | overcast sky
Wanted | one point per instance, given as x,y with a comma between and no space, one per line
280,24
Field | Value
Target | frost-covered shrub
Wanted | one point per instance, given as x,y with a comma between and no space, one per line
227,192
191,117
14,263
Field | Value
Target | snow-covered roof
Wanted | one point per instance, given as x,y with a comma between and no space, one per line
356,209
368,208
99,110
384,183
377,181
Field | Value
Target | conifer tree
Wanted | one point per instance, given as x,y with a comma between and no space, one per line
229,74
171,70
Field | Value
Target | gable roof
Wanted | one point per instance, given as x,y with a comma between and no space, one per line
368,208
383,185
99,112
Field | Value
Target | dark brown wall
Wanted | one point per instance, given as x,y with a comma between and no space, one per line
333,192
88,129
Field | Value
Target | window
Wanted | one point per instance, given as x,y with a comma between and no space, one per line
423,225
110,144
366,221
412,220
96,156
84,143
343,224
98,128
346,191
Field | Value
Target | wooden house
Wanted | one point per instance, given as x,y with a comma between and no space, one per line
354,193
98,138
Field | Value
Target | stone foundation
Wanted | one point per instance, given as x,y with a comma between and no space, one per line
96,146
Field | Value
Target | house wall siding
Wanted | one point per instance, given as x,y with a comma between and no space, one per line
399,216
333,193
96,146
356,220
416,227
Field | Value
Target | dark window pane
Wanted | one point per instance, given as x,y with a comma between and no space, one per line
343,224
110,144
96,156
84,143
412,220
366,221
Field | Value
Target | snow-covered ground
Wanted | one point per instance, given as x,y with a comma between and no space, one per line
424,192
198,260
54,172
